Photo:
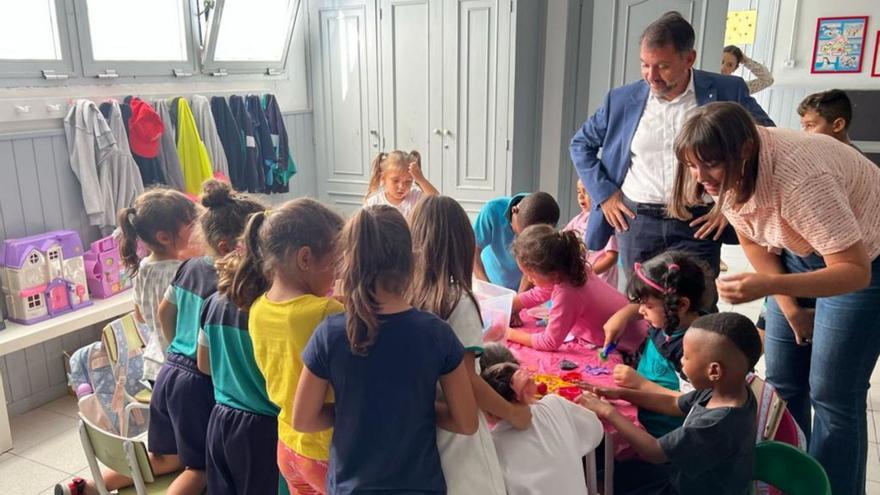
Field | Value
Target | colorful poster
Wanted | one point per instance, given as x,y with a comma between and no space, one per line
840,44
740,27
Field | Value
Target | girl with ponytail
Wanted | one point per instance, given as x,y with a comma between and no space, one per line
282,278
383,360
668,292
163,221
556,262
391,181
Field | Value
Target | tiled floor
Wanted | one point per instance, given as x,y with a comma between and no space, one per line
47,448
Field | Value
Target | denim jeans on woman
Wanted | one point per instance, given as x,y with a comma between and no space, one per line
832,375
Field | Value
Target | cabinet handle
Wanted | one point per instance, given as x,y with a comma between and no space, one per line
374,132
447,132
437,132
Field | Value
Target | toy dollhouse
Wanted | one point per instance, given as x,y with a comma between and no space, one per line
105,273
43,276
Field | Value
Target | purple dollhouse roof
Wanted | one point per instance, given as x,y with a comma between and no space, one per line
15,251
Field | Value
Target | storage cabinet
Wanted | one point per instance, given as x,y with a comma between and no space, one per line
430,75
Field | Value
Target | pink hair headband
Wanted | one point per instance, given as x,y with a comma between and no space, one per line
654,285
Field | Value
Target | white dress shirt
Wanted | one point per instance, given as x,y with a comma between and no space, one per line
652,171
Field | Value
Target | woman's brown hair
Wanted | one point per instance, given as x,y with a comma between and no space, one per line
156,210
269,239
378,255
384,161
542,248
720,134
443,247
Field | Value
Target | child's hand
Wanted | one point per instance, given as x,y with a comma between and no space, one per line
626,377
515,320
415,169
592,402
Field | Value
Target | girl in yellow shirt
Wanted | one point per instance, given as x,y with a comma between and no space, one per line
287,270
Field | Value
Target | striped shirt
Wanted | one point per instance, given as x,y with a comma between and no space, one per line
813,195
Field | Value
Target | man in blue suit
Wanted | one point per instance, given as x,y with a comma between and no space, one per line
635,130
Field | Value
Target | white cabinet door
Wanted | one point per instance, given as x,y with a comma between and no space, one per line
411,45
476,62
346,94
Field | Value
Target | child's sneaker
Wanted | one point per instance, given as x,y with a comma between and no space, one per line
75,487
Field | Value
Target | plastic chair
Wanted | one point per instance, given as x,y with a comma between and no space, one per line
123,455
790,470
131,339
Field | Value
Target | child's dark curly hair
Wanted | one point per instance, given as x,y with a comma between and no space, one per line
499,377
738,329
543,249
495,353
678,274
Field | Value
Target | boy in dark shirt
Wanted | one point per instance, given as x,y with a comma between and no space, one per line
713,451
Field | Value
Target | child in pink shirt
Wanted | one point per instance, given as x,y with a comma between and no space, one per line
604,262
582,303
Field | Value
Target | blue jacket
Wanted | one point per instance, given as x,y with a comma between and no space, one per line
611,130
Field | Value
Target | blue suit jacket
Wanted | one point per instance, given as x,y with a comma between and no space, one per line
611,130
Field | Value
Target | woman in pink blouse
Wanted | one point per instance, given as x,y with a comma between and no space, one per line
806,209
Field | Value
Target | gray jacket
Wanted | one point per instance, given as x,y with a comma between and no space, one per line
201,108
100,159
168,159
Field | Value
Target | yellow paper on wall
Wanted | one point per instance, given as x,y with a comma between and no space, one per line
740,27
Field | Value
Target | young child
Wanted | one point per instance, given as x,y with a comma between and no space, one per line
604,262
163,220
667,291
494,353
190,309
732,57
183,396
391,182
497,225
288,269
556,263
713,451
383,359
828,112
545,458
443,243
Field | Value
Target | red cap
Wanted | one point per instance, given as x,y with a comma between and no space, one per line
144,129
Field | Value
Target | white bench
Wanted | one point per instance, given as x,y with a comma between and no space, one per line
16,337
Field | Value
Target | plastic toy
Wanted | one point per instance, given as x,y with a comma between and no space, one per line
105,273
43,276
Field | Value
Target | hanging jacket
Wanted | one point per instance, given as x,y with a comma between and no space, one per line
253,168
285,166
100,159
201,109
194,158
168,159
263,135
149,168
233,146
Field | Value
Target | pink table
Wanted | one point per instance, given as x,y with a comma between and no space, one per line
583,354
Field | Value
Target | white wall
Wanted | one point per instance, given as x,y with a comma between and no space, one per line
804,23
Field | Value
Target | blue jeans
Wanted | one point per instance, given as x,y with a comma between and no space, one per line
832,375
651,233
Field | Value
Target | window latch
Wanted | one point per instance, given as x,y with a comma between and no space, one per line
181,73
271,71
220,73
108,74
51,75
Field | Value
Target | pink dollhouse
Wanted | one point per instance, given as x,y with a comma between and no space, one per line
43,276
105,272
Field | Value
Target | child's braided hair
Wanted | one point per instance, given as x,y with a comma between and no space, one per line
669,277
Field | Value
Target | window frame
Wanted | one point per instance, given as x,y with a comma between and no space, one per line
115,69
54,70
213,67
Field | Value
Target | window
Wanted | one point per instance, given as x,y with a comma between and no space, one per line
29,30
34,258
54,255
121,37
34,301
250,36
34,38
